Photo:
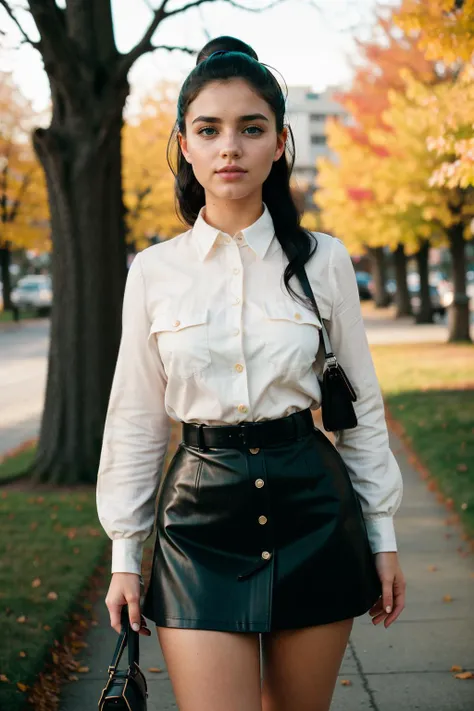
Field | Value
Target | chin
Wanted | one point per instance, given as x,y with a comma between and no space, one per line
234,192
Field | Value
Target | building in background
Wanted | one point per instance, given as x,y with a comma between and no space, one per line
307,112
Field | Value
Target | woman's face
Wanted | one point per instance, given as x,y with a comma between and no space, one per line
231,139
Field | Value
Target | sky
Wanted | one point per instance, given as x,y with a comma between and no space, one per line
307,45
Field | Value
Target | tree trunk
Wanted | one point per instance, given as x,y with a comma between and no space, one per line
5,260
402,296
459,313
379,273
424,313
82,164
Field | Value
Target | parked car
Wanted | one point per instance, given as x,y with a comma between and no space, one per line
437,306
390,287
448,294
363,280
33,293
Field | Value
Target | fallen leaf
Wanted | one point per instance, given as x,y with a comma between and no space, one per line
83,670
346,682
52,595
155,670
456,668
3,677
464,506
21,619
22,654
46,628
22,687
36,583
76,550
447,598
449,503
34,525
465,675
462,467
432,568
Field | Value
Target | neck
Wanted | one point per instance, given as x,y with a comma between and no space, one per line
231,216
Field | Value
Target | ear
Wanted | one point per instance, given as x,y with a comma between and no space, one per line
281,143
183,144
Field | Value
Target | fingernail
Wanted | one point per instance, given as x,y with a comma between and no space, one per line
135,627
388,609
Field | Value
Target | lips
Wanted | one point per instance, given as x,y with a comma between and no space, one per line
231,169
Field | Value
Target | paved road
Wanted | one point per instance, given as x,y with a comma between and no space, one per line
405,667
23,365
23,360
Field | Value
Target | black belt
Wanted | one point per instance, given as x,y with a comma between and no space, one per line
249,435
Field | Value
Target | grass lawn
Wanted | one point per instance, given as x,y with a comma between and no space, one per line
7,316
429,389
13,466
51,541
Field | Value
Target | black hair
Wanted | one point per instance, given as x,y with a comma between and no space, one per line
237,60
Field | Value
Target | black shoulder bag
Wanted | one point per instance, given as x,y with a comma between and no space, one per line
336,390
125,690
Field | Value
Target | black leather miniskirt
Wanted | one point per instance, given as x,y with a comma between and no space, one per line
255,539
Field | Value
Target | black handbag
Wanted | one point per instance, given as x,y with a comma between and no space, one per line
337,393
126,689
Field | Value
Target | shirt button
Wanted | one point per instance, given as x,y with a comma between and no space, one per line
259,483
236,331
227,240
177,323
236,270
243,408
236,300
266,555
254,450
239,367
262,520
297,316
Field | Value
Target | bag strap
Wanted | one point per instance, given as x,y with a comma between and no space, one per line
127,635
330,358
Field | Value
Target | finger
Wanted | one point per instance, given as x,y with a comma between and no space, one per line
134,612
379,618
387,595
399,607
375,609
115,622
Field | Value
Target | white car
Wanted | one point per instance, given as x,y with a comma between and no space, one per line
34,292
448,295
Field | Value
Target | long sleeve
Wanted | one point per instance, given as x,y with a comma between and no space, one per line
136,434
373,469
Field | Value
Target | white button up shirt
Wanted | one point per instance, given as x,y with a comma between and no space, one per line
210,335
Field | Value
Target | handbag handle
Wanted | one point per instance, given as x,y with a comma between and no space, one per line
329,357
127,635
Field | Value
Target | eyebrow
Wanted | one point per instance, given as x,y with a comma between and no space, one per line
241,119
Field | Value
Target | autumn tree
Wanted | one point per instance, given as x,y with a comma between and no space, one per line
24,221
80,152
148,180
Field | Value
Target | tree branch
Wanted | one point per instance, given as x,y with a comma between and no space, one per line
9,11
233,3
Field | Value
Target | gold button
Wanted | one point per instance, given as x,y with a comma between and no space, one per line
254,450
239,367
177,323
298,316
259,483
242,408
266,555
262,520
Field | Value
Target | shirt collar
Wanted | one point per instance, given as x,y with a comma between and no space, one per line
257,236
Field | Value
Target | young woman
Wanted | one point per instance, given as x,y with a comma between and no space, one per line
265,531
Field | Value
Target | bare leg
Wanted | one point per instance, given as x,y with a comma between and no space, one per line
212,671
301,666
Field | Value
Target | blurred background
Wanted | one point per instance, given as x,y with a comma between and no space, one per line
380,98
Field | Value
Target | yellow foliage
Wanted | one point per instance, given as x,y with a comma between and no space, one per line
148,180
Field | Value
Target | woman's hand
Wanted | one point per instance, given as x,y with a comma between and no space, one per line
392,602
124,589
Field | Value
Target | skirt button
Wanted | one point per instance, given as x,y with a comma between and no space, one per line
259,483
266,555
254,450
262,520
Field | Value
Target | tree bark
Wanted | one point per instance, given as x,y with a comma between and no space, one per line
459,312
82,163
379,273
425,310
402,295
5,260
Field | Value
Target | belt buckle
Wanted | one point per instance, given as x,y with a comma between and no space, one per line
243,433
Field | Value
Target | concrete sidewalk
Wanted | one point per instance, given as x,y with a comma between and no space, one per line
405,667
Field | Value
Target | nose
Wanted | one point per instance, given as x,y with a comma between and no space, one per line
231,147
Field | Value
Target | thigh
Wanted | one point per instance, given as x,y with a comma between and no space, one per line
301,666
211,671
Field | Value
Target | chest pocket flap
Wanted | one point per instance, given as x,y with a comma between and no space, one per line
182,337
289,310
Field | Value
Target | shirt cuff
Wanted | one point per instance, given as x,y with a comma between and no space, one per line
127,556
381,532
